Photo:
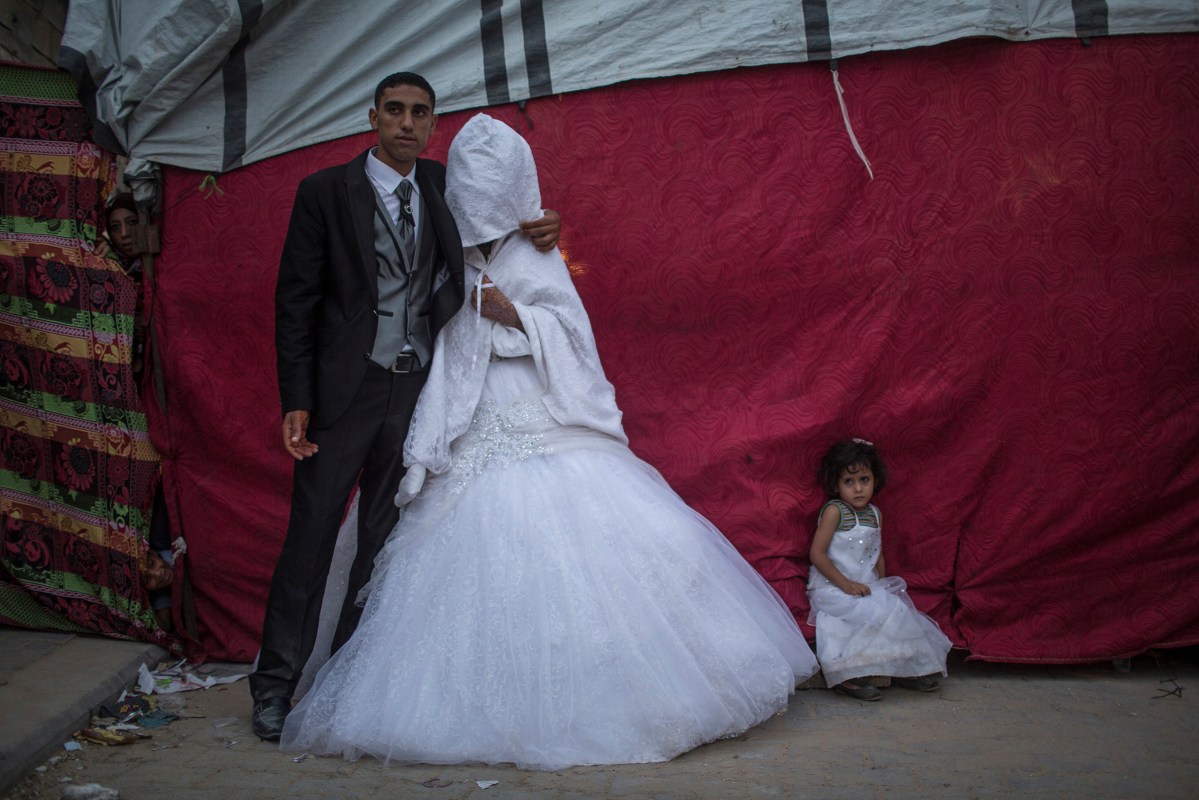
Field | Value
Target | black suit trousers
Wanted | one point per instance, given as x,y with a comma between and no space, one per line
365,444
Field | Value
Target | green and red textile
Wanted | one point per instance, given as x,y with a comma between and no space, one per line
77,470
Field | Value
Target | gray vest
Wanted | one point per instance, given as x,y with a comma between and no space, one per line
404,290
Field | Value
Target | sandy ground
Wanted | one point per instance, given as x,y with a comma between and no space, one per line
992,731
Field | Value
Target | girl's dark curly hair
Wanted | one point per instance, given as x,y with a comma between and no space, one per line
846,455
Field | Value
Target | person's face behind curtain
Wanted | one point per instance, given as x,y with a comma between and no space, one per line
120,231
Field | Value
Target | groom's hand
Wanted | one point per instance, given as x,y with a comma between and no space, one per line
295,435
543,232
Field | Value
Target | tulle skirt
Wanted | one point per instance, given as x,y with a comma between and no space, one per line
882,633
559,610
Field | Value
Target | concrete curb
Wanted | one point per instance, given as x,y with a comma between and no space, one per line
45,701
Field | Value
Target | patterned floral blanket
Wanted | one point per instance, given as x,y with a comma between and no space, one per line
77,469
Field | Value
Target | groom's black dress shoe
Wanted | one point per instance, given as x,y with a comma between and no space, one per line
269,716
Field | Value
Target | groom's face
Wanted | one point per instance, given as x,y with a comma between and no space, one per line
404,120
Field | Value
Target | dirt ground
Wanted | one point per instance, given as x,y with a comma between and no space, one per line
1088,731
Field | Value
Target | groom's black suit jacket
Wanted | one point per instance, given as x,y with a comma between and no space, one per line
327,294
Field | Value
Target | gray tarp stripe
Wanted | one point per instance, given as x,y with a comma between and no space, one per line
537,53
815,23
233,77
1090,17
75,63
495,70
151,93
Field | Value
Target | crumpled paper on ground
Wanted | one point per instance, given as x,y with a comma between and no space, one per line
178,678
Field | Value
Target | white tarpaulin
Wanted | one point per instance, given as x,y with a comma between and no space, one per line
215,84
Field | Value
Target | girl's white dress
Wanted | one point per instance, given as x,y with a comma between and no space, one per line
546,599
880,634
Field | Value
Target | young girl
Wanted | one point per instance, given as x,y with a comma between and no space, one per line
865,623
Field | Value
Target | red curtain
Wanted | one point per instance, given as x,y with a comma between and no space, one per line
1008,309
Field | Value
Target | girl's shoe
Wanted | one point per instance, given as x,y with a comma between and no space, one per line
858,691
925,683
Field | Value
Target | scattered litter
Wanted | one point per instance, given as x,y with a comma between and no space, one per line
124,721
229,743
300,759
171,702
72,745
179,678
1175,691
54,760
134,710
437,783
224,722
65,780
40,770
90,791
130,706
485,784
166,746
156,719
109,737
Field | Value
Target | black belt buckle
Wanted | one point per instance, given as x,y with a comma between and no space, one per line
405,363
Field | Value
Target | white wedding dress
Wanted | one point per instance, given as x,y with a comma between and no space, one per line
547,599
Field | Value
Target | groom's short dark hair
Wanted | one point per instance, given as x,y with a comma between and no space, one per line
405,79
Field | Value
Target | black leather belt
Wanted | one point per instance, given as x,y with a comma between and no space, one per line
404,363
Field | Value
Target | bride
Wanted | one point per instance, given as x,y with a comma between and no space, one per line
546,599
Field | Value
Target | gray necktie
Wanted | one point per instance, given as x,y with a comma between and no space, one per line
406,225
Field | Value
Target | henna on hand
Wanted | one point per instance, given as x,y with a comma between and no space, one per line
498,308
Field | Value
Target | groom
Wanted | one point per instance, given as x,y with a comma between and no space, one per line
370,272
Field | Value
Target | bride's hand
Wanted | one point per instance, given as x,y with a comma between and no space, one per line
497,307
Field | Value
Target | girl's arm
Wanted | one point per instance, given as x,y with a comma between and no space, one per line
830,518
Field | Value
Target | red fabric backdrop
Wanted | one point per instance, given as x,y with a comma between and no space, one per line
1009,309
